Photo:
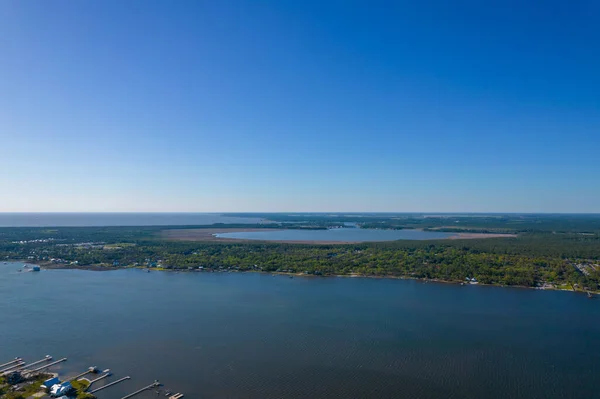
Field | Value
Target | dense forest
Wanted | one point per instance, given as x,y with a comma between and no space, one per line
560,253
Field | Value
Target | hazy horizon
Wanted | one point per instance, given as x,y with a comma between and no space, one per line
153,106
450,213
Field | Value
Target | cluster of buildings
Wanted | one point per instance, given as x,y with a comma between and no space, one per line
154,263
33,241
586,267
62,261
90,245
56,389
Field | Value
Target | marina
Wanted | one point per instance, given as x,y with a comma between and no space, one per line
20,377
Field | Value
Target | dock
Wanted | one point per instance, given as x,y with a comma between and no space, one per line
15,360
46,359
14,367
90,370
64,359
153,385
18,365
107,374
110,384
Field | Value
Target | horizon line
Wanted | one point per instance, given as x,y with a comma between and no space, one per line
305,212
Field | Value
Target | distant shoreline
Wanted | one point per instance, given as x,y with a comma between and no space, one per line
473,236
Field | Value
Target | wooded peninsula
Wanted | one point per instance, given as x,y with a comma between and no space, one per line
547,251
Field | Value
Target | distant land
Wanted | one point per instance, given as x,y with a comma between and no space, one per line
547,251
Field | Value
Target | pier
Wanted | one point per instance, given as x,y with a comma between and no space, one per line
64,359
14,367
46,359
15,360
21,365
90,370
108,374
110,384
153,385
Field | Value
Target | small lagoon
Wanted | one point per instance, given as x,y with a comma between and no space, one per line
337,235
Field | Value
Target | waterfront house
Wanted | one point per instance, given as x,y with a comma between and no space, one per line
50,383
60,389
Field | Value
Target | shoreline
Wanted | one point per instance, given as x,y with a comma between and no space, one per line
99,268
474,236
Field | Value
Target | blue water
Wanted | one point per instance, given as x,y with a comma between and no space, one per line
234,335
337,235
116,219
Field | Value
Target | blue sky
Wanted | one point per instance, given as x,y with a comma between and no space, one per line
300,106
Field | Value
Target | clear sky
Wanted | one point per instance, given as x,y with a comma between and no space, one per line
290,105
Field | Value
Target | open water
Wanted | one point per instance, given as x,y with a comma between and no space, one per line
43,219
234,335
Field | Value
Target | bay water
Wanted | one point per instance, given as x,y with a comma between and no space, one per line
252,335
80,219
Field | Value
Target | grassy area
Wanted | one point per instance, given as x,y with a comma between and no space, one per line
31,387
80,386
119,245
